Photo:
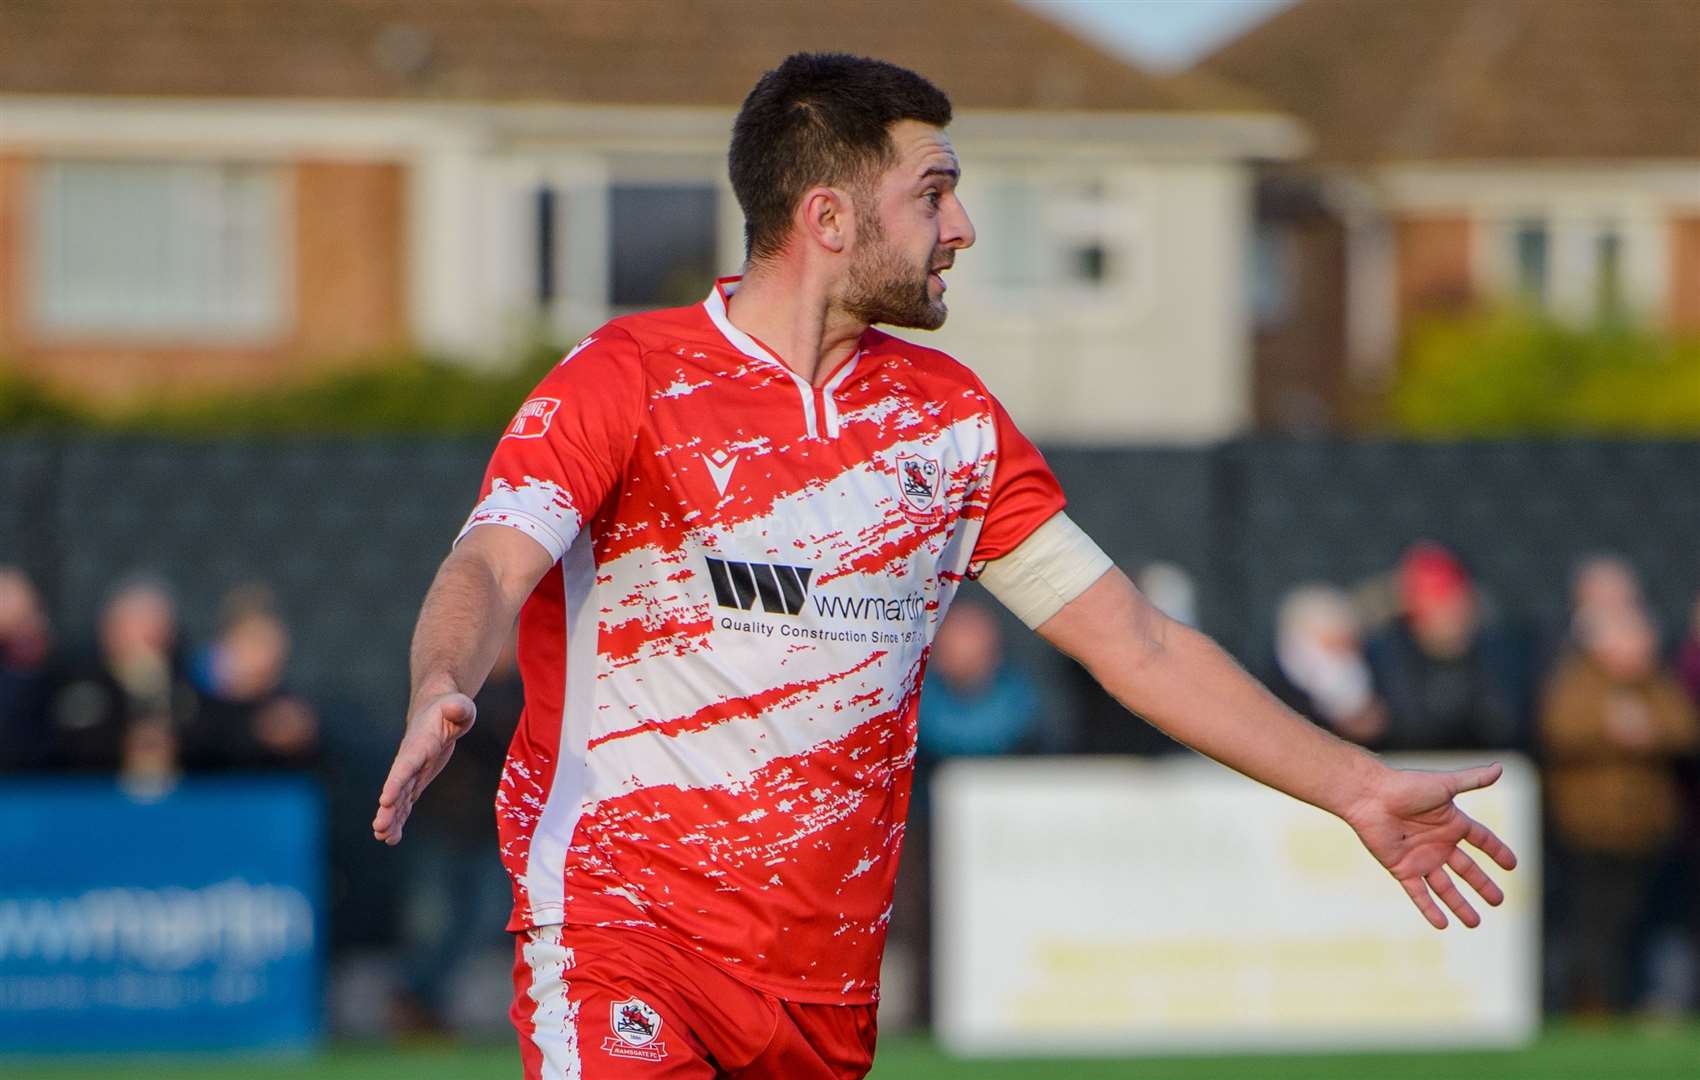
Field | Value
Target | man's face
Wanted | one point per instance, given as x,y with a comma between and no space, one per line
909,227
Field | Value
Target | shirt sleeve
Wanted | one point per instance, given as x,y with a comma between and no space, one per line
567,445
1024,493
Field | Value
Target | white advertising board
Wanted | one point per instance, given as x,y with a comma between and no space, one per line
1113,905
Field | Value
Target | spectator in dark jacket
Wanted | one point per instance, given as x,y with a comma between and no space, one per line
1688,655
26,674
134,680
248,718
1445,676
458,898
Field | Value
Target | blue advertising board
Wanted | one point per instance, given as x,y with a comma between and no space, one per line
190,920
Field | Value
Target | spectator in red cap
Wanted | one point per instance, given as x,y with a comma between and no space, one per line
1444,678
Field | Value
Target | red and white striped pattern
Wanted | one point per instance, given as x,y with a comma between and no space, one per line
691,764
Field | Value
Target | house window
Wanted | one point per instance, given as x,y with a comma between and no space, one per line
1273,266
661,243
155,249
1609,301
544,212
1044,234
1530,249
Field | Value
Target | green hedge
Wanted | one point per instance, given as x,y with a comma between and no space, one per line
407,394
1512,373
1499,374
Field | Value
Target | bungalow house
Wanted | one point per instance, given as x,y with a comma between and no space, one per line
197,193
1466,151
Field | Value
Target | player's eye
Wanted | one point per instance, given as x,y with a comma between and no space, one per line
932,196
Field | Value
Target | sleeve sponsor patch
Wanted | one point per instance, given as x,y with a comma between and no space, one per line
533,418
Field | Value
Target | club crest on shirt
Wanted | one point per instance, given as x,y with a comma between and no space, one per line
918,482
636,1029
533,418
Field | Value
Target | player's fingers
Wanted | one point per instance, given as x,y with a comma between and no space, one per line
1474,779
385,823
394,803
1466,868
1482,839
388,821
433,768
415,752
1418,892
1441,882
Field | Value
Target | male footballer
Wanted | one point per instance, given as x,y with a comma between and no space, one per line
728,533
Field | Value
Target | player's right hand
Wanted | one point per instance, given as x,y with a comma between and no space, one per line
425,749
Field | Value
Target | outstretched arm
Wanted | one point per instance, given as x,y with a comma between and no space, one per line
467,615
1183,683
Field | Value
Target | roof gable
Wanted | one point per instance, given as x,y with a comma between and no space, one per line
1453,80
987,54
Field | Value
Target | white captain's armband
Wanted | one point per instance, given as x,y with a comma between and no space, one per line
1052,566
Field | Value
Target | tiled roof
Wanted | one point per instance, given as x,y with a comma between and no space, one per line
1453,80
987,54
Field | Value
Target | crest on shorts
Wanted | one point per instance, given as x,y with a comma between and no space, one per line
918,481
533,418
637,1028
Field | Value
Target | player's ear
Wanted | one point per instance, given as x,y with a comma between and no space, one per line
824,217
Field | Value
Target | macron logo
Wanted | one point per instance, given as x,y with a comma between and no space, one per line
780,589
720,465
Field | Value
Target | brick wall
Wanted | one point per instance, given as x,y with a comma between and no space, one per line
1433,265
350,252
346,232
1685,273
12,175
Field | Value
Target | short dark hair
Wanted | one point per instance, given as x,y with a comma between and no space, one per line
818,118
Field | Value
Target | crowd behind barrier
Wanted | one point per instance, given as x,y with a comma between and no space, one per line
1522,634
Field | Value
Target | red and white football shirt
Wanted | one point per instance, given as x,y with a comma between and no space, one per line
723,669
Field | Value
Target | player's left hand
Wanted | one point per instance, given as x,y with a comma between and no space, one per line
431,734
1410,824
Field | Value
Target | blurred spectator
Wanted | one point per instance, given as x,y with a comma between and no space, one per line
247,718
149,760
1445,676
974,702
1170,589
1688,655
1320,668
26,679
1612,724
1103,724
1599,581
457,896
1604,583
135,678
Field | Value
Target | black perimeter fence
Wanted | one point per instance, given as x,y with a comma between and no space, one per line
348,532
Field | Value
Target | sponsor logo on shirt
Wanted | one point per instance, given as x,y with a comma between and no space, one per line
776,589
533,418
636,1028
780,590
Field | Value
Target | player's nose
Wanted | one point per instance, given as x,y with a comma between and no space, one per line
958,229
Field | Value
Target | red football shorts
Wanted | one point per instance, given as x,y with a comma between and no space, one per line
591,1002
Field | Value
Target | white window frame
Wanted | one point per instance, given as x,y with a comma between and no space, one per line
1118,219
1573,230
261,317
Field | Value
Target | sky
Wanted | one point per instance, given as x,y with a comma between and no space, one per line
1161,35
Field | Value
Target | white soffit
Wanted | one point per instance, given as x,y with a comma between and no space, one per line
375,129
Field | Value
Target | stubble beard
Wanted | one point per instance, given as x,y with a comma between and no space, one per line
882,286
